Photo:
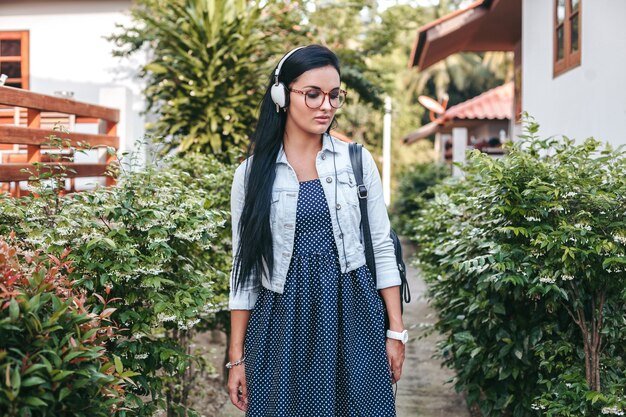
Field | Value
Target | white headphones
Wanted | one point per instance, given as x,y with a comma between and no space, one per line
279,92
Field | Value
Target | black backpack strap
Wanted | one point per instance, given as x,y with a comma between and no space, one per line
356,158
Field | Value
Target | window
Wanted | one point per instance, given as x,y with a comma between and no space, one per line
14,58
566,35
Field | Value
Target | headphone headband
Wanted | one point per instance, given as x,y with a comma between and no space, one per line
281,62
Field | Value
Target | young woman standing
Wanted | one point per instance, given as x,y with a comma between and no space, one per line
307,324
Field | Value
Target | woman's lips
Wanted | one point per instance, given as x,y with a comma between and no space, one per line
322,119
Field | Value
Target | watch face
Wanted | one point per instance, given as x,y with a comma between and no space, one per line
405,337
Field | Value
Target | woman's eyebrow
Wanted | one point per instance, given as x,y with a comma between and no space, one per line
319,88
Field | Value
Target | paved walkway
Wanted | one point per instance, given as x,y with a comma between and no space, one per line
422,391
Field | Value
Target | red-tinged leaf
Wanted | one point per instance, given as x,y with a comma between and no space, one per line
73,342
107,312
11,280
99,297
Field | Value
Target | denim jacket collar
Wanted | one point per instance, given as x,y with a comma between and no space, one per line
326,147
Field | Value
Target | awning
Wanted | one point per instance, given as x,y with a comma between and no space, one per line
485,25
423,132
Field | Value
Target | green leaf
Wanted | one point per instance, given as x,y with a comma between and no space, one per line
34,402
14,309
119,368
33,380
63,393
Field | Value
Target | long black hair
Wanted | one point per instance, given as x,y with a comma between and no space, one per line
255,250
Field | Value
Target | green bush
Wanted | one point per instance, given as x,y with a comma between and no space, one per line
157,240
414,189
524,259
53,357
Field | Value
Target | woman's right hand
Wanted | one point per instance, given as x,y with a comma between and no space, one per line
237,389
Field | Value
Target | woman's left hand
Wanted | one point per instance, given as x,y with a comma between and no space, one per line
395,354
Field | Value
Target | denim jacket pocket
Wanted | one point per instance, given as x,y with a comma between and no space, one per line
347,184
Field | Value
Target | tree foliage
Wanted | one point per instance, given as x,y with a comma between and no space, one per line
207,68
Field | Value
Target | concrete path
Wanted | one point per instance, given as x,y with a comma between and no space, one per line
422,391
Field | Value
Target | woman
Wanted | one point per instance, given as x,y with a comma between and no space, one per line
307,325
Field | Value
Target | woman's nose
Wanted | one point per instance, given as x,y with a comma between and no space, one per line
326,103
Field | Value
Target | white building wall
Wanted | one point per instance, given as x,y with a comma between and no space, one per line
589,100
68,52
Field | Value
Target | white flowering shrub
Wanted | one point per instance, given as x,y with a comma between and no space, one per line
153,241
525,260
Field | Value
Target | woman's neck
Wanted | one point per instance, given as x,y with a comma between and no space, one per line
301,152
302,143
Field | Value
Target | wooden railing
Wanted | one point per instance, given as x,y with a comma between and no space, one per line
28,119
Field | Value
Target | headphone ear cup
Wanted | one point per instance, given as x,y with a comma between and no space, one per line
286,92
278,95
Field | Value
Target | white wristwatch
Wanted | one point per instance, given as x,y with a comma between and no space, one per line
402,336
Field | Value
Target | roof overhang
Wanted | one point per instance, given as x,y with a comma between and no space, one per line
485,25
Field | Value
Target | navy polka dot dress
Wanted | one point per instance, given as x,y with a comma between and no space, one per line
318,349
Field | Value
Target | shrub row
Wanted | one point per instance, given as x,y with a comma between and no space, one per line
525,262
157,243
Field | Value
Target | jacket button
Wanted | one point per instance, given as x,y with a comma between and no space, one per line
338,206
340,235
348,264
329,179
323,156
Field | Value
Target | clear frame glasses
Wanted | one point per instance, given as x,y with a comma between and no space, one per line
314,97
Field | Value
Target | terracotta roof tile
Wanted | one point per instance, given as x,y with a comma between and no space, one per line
496,103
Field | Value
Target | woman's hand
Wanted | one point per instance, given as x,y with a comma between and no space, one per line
395,354
237,389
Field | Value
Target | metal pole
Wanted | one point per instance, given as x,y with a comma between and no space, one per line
387,151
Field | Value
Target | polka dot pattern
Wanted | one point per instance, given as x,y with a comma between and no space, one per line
318,349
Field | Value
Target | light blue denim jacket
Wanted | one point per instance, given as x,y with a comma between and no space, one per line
344,213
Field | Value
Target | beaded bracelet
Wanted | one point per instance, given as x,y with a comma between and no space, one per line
237,362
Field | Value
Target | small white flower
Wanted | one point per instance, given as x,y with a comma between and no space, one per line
532,219
566,277
613,410
619,239
162,317
546,280
141,356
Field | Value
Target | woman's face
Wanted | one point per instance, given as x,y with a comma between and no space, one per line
312,121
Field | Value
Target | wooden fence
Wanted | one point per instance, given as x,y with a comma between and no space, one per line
27,120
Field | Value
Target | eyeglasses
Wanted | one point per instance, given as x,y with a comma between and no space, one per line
314,98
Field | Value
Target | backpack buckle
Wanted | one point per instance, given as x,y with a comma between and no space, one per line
362,191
